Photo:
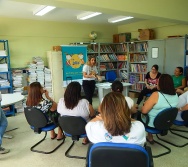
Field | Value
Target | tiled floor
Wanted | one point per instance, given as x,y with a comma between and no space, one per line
21,156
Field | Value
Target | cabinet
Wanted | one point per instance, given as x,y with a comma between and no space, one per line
138,62
5,73
55,65
186,57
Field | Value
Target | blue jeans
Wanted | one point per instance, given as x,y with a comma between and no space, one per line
3,124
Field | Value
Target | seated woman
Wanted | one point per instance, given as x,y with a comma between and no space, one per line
165,97
35,99
114,123
179,79
117,86
73,105
151,82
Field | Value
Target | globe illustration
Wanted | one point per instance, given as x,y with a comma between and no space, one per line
93,35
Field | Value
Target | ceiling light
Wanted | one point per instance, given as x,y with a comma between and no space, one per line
42,10
119,18
87,15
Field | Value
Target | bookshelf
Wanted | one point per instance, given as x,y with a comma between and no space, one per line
138,63
6,85
110,57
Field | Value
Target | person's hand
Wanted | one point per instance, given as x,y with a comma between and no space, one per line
46,93
179,91
148,87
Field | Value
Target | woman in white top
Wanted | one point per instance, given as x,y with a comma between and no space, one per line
73,105
114,123
89,75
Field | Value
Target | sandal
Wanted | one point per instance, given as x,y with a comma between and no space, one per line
150,141
85,141
54,137
61,138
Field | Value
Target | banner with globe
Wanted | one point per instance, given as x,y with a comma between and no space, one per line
74,57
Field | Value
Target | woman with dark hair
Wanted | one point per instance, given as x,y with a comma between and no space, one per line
117,86
179,79
151,82
90,73
165,97
73,105
114,123
35,99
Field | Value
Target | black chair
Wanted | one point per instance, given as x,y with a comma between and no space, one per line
73,127
39,123
184,116
107,154
162,123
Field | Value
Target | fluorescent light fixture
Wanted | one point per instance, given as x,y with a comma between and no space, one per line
119,18
42,10
87,15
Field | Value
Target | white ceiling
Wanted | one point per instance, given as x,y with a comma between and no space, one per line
22,10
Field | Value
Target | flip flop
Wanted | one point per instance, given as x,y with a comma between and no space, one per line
85,141
54,137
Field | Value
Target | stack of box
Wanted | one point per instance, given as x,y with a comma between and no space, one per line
17,80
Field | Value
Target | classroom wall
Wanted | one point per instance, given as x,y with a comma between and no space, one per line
29,38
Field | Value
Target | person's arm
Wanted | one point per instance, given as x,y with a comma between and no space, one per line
183,85
148,105
54,104
88,76
179,91
92,111
183,108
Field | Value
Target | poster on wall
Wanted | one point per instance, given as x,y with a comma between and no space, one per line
74,57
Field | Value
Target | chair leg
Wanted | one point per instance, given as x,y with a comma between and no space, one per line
70,156
173,144
167,148
44,152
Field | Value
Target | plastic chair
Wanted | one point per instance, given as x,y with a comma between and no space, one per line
110,76
107,154
73,127
184,116
162,123
39,123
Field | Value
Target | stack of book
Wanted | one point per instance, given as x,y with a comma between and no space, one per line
17,80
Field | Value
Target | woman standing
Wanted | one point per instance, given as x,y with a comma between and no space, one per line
35,99
165,97
114,124
89,75
151,82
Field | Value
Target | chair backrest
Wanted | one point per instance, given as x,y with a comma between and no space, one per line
110,76
73,126
35,118
164,120
117,154
184,115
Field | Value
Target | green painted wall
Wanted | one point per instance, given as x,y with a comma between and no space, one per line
162,29
29,38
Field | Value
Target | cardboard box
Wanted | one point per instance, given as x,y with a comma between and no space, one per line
146,34
124,37
116,38
133,94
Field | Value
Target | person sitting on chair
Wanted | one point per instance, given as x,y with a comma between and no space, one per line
3,126
35,99
165,97
74,105
179,79
151,82
114,123
117,86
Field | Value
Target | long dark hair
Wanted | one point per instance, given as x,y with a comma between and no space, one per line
72,95
166,84
34,94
